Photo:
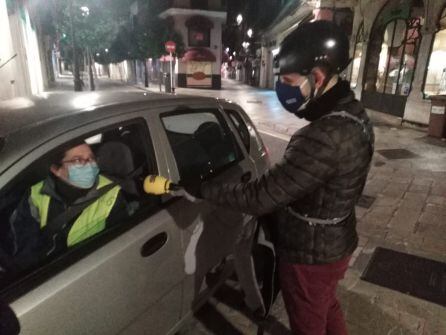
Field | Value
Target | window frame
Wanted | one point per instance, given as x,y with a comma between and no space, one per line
233,113
23,283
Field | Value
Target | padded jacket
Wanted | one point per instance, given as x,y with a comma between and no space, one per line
321,175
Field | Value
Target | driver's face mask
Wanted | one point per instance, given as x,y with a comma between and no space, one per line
292,97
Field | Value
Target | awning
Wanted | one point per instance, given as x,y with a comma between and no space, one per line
199,55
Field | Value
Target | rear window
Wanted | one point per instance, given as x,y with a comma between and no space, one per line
201,141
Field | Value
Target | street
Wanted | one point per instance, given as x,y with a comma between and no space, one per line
405,211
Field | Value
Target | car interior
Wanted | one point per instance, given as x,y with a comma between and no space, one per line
121,156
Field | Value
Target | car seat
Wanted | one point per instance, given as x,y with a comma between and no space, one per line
115,160
211,137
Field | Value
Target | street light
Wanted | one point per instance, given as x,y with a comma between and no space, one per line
239,19
249,32
106,50
85,11
227,50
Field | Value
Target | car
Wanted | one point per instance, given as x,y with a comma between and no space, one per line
146,274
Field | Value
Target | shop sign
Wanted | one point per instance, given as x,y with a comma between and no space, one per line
439,110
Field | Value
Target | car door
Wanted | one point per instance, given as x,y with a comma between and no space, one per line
205,145
126,279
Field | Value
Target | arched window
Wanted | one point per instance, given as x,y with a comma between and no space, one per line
435,82
398,55
357,54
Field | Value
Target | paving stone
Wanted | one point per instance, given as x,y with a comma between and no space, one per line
412,204
438,190
419,196
395,190
379,216
360,212
435,245
419,188
437,200
435,209
404,220
422,181
371,230
386,201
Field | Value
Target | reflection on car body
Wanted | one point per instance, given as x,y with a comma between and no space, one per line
145,272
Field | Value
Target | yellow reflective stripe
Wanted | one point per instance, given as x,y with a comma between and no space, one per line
93,218
41,202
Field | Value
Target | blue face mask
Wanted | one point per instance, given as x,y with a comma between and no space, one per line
83,176
290,97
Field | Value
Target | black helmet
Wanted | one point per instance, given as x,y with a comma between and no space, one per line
312,44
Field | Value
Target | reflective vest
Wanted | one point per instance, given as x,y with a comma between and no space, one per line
92,219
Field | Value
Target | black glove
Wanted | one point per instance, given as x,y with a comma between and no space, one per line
193,187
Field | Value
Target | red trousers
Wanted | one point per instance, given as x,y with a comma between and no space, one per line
309,293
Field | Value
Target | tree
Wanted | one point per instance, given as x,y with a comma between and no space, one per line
87,27
144,38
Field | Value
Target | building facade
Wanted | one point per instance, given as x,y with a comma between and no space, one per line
398,50
21,71
200,24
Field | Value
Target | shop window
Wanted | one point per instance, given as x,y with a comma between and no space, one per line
435,82
357,54
199,37
398,55
199,31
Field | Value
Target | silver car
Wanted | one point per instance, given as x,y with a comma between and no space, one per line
145,275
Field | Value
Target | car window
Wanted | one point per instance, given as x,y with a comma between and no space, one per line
201,141
60,207
241,127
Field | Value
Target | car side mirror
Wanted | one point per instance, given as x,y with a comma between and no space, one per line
9,324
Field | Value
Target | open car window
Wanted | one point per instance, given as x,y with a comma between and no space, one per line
45,220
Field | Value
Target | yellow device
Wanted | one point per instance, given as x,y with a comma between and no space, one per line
157,185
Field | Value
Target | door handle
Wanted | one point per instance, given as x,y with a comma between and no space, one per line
246,177
154,244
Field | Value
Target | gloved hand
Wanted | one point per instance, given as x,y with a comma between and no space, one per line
193,187
159,185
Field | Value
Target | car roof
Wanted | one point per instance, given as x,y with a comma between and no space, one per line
25,113
26,123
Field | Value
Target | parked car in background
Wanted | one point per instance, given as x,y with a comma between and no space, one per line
144,275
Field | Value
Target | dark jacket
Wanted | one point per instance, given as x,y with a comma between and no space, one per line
321,175
29,244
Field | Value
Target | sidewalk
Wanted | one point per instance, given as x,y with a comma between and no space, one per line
406,189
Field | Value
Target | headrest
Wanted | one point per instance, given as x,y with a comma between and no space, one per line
115,159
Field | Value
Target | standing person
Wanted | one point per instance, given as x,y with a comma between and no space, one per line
313,190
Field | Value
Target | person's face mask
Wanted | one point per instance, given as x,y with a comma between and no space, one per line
289,96
83,176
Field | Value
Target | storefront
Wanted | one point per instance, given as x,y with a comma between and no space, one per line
201,30
435,82
392,56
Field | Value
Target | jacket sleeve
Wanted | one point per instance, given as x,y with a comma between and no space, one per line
309,160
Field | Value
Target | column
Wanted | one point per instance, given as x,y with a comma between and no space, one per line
417,109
